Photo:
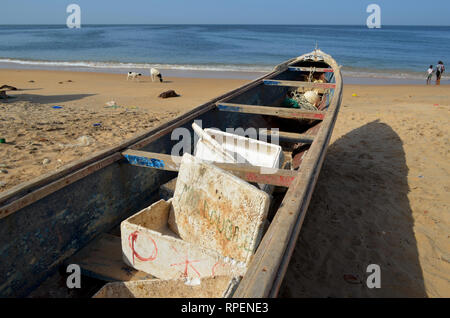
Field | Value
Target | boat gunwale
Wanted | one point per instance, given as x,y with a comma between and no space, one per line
269,264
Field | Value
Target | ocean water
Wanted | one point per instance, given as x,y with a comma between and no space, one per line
402,52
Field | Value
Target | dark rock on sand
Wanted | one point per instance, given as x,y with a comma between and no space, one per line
167,94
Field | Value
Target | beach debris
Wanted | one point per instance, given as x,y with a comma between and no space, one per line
56,107
436,104
4,171
8,88
30,81
97,125
82,141
352,279
46,161
354,95
60,82
69,81
168,94
85,141
111,103
444,257
2,140
419,176
2,184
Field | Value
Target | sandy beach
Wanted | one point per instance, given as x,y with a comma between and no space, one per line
40,138
381,198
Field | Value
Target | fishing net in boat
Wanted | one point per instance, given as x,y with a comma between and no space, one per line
298,100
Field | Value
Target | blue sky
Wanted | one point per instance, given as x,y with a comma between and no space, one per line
394,12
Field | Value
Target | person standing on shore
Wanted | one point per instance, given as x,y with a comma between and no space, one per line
430,72
440,69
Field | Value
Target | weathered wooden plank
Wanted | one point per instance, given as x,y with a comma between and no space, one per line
289,137
102,259
309,69
298,158
56,185
273,111
269,264
299,84
278,177
167,190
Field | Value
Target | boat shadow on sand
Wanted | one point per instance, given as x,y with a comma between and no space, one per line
49,99
359,215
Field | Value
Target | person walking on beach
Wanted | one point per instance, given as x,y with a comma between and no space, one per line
440,69
430,72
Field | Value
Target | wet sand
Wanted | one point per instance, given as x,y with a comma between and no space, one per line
381,198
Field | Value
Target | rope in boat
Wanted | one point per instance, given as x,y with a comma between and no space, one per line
312,70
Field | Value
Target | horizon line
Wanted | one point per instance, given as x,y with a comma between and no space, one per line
274,24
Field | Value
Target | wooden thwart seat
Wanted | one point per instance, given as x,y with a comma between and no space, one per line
309,69
272,176
272,111
290,137
299,84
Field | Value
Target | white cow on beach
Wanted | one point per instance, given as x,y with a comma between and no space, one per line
154,73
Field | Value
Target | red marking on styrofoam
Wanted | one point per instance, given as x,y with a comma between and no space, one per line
187,263
133,238
215,266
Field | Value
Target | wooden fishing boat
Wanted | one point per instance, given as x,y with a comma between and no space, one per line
46,222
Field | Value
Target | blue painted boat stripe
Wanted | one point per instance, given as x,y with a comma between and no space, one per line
268,82
229,108
147,162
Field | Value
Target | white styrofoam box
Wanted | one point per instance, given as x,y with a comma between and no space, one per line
150,244
244,150
217,210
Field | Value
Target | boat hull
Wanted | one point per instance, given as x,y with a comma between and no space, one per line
47,220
